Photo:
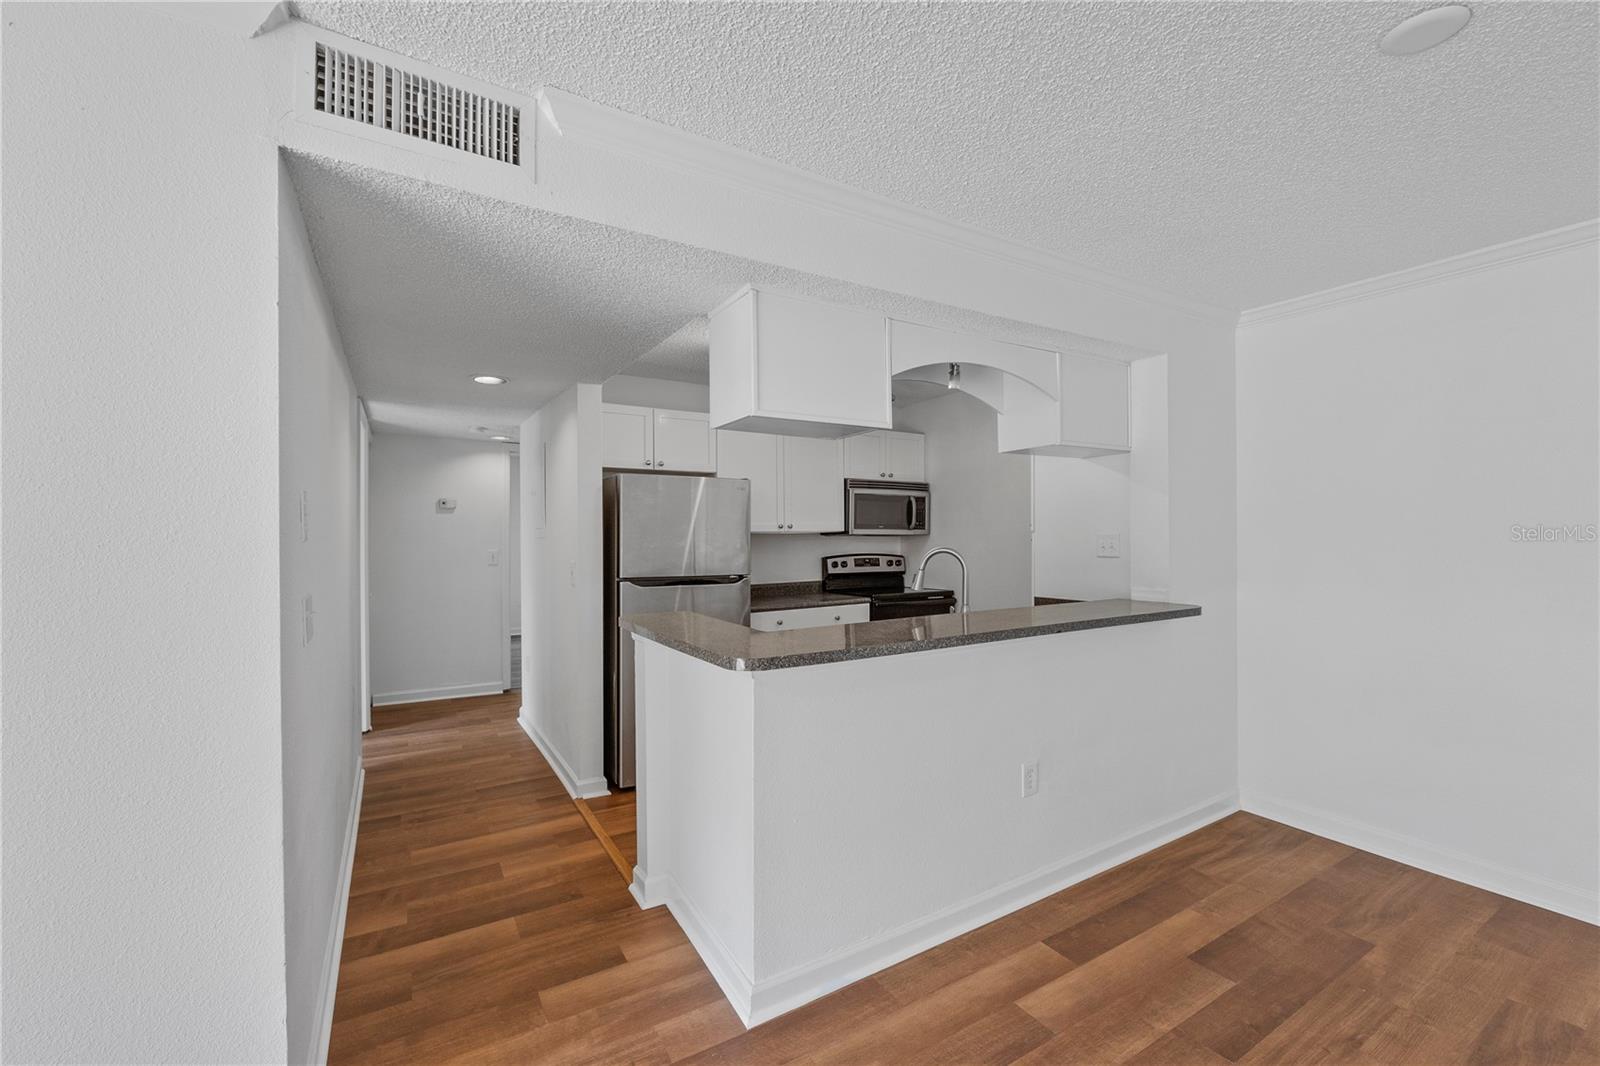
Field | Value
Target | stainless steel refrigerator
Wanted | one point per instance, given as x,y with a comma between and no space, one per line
671,544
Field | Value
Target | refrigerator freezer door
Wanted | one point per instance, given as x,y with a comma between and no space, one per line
681,526
729,601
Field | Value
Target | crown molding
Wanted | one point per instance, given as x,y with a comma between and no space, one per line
645,139
1455,266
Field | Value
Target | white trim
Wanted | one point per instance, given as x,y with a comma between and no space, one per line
577,787
341,907
736,985
577,119
1571,900
761,1001
448,692
1539,244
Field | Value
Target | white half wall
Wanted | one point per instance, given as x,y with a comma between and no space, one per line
318,428
438,601
1415,676
143,821
562,608
980,502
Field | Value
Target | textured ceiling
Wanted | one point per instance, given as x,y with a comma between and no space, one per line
1239,153
431,285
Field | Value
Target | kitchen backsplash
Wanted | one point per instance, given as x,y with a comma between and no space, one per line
796,556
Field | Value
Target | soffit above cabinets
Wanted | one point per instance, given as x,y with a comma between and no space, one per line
1237,137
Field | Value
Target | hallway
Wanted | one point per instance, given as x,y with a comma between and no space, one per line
487,923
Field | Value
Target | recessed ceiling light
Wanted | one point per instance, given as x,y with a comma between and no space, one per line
503,439
489,379
1423,31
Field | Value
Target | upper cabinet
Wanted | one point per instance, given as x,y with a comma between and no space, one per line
783,364
886,455
796,483
654,438
1090,418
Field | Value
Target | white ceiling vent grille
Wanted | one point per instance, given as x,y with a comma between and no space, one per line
380,95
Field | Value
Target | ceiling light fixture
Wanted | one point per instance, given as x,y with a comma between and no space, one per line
1423,31
954,384
503,439
489,379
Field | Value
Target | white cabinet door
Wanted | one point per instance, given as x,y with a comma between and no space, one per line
684,441
903,455
777,364
759,457
864,456
626,434
813,485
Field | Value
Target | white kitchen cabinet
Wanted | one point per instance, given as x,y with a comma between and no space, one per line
885,455
796,483
1090,418
810,617
813,485
684,441
655,438
759,457
626,436
800,367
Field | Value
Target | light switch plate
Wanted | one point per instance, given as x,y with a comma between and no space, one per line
1108,545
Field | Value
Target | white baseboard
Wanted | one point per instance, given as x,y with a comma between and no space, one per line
1565,899
577,787
449,692
318,1053
761,1001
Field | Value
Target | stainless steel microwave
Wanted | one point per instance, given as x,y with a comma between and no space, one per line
885,508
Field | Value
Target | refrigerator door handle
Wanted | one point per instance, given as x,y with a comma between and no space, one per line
673,582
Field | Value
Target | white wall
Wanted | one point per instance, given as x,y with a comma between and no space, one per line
651,392
1412,678
438,605
318,428
562,609
142,772
980,502
1149,543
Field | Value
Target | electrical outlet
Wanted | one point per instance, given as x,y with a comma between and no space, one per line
494,557
1030,779
1108,545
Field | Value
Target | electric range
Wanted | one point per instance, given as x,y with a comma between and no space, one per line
882,579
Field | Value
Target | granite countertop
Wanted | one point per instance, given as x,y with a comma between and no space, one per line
736,647
797,595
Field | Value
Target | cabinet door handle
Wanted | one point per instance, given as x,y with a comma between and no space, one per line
882,474
779,622
835,618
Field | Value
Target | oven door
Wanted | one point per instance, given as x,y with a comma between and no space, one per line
886,508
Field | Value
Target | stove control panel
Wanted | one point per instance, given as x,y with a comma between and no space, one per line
834,565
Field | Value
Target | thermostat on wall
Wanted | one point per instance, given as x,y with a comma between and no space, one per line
444,505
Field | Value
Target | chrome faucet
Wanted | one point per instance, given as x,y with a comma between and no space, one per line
916,580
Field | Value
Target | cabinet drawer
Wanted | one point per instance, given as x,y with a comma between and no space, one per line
807,617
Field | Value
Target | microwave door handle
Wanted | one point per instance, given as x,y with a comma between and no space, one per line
911,512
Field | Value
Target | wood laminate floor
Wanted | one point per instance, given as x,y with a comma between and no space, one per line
488,924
